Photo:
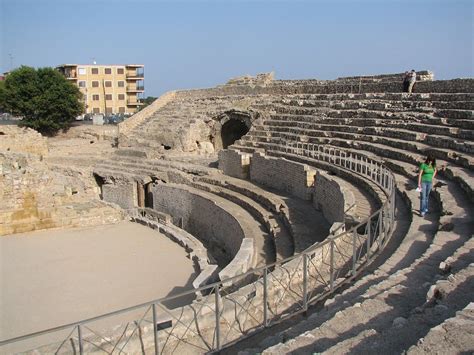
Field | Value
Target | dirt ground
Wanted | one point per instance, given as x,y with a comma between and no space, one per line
54,277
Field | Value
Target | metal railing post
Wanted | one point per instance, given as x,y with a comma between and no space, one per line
305,282
79,339
218,328
354,252
155,329
369,223
331,265
265,297
381,232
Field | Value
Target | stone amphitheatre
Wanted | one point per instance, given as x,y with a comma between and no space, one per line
294,200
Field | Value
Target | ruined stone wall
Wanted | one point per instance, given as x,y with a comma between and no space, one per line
289,87
329,198
35,197
258,80
22,140
92,133
204,218
123,194
234,163
281,174
422,75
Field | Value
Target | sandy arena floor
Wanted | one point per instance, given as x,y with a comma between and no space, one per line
50,278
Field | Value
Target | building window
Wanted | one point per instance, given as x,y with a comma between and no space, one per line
95,97
108,84
108,110
121,84
108,71
121,109
96,110
95,70
121,97
108,97
120,71
82,71
82,84
95,84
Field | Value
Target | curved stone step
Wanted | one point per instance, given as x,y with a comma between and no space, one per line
458,329
453,138
271,252
463,256
427,124
464,177
394,314
386,147
283,240
444,244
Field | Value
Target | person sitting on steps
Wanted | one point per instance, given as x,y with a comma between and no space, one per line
425,182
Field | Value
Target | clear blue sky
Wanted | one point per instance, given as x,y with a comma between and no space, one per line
194,44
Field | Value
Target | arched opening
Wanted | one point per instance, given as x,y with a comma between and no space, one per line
100,181
232,130
148,195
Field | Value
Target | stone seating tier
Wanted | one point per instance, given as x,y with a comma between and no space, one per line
348,132
198,112
409,282
428,126
282,246
413,130
463,175
458,329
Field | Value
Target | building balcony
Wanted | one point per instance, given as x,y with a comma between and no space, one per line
69,71
70,74
138,75
134,103
135,88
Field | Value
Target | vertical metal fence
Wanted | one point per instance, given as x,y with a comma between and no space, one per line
221,314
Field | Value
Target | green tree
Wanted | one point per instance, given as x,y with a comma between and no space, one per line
147,101
45,99
2,96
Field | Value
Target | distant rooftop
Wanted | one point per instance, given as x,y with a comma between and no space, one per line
101,65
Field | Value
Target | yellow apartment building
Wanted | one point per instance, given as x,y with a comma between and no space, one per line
108,89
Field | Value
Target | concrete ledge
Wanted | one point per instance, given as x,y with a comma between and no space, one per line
219,224
242,262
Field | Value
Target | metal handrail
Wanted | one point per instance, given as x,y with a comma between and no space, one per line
385,180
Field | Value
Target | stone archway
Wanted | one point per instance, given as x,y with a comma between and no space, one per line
231,127
231,131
